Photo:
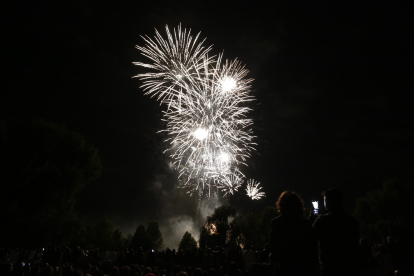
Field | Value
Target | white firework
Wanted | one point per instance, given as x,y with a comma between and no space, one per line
253,190
230,182
207,115
209,126
175,62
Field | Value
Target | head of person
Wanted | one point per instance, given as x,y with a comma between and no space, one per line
198,272
290,204
333,199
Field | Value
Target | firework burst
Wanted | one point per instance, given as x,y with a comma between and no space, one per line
175,62
207,119
253,189
208,127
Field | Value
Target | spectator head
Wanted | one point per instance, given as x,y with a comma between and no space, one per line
76,272
198,272
333,199
211,272
155,271
390,239
124,271
177,269
147,270
290,204
114,271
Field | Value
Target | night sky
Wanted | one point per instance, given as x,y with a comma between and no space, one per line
333,83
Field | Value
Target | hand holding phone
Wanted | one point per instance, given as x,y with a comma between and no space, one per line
315,205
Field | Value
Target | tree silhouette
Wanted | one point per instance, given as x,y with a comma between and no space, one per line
387,211
154,235
187,241
251,227
214,232
42,167
140,238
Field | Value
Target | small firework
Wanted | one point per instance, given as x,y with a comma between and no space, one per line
253,189
231,182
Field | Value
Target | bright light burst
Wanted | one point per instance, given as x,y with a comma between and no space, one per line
253,189
207,114
224,157
228,84
200,134
211,228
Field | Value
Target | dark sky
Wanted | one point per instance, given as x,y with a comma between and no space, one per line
333,82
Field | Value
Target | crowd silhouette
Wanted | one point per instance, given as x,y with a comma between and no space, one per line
324,245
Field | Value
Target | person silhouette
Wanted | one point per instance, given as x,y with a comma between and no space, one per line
338,237
292,246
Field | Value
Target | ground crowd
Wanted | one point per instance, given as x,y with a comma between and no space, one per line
322,245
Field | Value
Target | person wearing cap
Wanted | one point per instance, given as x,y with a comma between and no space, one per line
338,235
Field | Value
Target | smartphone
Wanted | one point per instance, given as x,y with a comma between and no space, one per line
315,205
23,264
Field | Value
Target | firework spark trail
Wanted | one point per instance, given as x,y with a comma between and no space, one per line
253,189
207,123
175,60
230,182
216,114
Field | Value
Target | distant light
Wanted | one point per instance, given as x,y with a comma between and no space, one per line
228,84
200,134
179,76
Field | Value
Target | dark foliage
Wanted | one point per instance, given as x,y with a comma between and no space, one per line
147,239
187,242
154,235
251,228
42,167
387,211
